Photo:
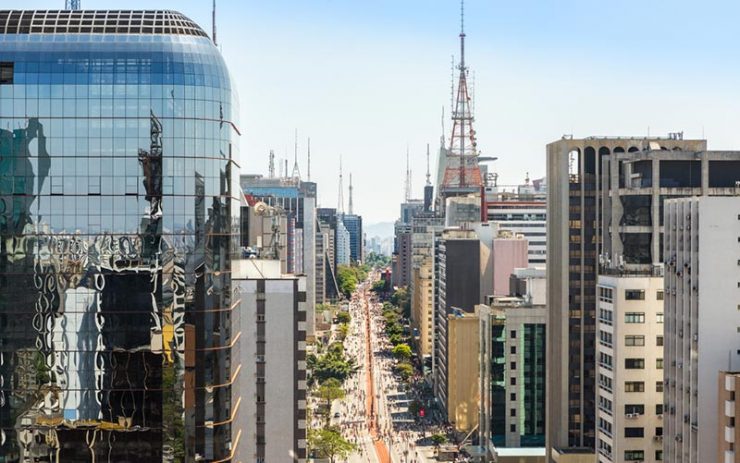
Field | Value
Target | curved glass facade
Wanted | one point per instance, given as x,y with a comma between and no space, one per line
117,225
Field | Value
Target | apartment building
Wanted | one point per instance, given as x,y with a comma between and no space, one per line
462,365
629,369
727,409
702,322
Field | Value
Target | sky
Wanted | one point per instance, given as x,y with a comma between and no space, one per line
367,78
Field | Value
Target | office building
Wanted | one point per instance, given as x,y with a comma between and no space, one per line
353,223
604,208
512,369
457,277
509,253
298,199
629,368
522,211
462,367
343,247
117,218
401,258
424,228
702,320
273,381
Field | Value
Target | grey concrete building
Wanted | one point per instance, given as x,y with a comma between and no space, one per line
604,208
272,308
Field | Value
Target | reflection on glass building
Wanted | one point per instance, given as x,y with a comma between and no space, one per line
117,225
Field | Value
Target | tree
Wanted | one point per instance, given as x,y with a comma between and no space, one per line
404,370
401,299
402,352
329,443
343,317
343,331
347,280
438,439
330,390
378,287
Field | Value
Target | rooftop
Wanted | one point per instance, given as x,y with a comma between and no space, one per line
149,22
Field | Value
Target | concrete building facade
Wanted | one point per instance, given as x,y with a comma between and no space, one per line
604,208
523,212
728,408
457,278
462,367
510,251
512,373
702,321
629,369
273,307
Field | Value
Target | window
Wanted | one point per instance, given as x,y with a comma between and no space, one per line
634,432
512,396
634,294
634,455
512,412
6,73
634,317
634,340
660,295
659,431
660,317
512,381
659,455
659,340
512,428
659,364
634,364
634,409
659,409
513,334
634,386
659,386
513,349
512,365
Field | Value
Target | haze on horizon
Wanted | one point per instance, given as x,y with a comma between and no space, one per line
364,79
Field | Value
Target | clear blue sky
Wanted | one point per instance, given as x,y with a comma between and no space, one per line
365,77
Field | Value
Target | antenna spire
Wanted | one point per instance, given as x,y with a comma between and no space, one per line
350,194
213,23
296,171
407,186
272,164
340,206
309,159
429,181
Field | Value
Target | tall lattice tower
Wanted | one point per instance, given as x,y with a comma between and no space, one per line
72,5
463,145
407,183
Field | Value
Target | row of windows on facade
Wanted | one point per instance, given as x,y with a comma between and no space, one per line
607,294
630,410
606,317
630,340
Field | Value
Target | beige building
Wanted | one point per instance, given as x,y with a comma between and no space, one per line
422,305
629,369
462,366
727,409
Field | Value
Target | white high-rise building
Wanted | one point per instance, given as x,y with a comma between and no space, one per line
343,244
629,368
524,213
702,321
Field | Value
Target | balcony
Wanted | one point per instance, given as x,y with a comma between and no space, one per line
730,408
730,434
729,383
729,456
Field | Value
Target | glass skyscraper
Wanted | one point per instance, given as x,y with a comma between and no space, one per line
118,221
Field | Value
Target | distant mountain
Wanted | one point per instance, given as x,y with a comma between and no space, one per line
381,229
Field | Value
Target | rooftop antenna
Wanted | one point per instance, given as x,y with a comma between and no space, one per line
72,5
296,172
407,186
350,194
213,23
286,166
429,181
309,159
452,83
340,199
272,164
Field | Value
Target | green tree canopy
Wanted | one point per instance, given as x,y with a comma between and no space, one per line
404,370
402,352
343,317
329,443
